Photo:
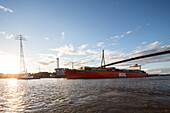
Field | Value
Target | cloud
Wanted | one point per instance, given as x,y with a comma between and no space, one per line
2,32
128,32
6,9
46,63
154,44
62,35
137,28
150,48
91,51
117,36
108,53
99,44
69,50
82,46
143,43
112,44
46,59
4,53
78,63
47,55
46,38
158,70
121,35
148,24
7,36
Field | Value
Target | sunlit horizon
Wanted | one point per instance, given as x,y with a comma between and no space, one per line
78,31
9,64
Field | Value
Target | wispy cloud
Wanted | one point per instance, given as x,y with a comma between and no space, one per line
153,45
62,35
46,59
158,70
78,63
117,36
7,36
137,28
83,46
6,9
69,50
148,24
100,44
108,53
143,42
46,63
4,53
128,32
46,38
148,49
91,51
121,35
2,32
113,44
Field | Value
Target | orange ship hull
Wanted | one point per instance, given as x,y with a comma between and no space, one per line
84,74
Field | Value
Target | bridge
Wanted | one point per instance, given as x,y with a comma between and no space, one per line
135,58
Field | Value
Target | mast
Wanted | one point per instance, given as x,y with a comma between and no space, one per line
103,59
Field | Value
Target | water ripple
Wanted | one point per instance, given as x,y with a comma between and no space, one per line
96,95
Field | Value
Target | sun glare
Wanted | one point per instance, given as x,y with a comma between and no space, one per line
9,64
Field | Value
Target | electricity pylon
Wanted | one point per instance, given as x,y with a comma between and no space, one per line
22,69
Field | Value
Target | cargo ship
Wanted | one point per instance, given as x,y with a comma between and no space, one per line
103,72
100,72
110,72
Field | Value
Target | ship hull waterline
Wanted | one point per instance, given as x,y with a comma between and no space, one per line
81,74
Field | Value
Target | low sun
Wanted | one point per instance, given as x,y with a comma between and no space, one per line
9,64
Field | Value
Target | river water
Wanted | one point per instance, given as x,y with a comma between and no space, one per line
123,95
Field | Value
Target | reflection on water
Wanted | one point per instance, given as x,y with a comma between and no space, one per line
139,95
12,97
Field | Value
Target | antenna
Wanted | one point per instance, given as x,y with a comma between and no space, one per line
22,69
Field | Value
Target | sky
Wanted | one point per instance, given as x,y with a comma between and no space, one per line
78,30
